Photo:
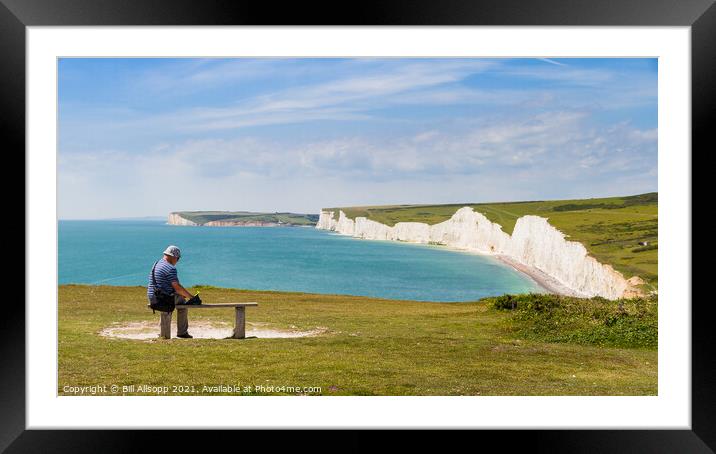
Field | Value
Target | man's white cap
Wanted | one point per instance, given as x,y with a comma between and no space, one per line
173,251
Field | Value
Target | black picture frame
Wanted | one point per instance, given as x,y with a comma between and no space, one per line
16,15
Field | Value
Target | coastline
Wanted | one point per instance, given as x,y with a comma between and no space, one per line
535,248
544,280
547,282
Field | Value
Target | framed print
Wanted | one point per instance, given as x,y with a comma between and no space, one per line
447,218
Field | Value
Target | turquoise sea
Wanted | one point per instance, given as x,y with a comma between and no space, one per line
280,258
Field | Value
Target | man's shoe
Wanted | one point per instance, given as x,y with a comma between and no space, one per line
185,336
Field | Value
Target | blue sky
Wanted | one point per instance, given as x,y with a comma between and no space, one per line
142,137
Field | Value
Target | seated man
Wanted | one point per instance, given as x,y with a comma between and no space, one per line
165,274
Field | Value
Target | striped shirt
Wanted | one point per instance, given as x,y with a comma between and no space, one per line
165,273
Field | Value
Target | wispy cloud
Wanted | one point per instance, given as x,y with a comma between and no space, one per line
296,135
561,139
348,98
553,62
573,76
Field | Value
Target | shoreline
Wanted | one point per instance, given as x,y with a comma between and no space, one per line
544,280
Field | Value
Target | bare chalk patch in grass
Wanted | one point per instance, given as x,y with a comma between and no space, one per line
148,331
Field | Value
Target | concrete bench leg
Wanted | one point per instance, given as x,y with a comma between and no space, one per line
240,325
165,325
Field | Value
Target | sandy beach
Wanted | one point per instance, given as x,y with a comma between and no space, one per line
543,279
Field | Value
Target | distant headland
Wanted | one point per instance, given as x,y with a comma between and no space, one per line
241,219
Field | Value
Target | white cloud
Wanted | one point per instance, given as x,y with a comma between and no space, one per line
546,151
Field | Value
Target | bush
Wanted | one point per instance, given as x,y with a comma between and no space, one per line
630,323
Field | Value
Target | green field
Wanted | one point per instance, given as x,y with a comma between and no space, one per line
610,228
370,346
202,217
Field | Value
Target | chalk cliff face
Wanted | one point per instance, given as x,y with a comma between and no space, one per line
175,219
533,243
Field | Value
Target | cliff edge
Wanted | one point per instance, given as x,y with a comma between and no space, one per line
176,219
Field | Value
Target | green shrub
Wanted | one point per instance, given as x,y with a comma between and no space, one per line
630,323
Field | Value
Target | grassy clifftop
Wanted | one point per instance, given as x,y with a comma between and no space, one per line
202,217
369,346
610,228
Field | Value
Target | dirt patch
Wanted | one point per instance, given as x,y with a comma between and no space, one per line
202,330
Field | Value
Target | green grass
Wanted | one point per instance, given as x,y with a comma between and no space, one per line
371,347
610,228
202,217
626,323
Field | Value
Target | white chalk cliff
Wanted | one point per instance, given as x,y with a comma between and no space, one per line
175,219
534,243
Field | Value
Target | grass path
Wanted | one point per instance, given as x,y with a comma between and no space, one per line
371,347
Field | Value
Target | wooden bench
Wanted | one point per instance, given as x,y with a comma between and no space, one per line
239,325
